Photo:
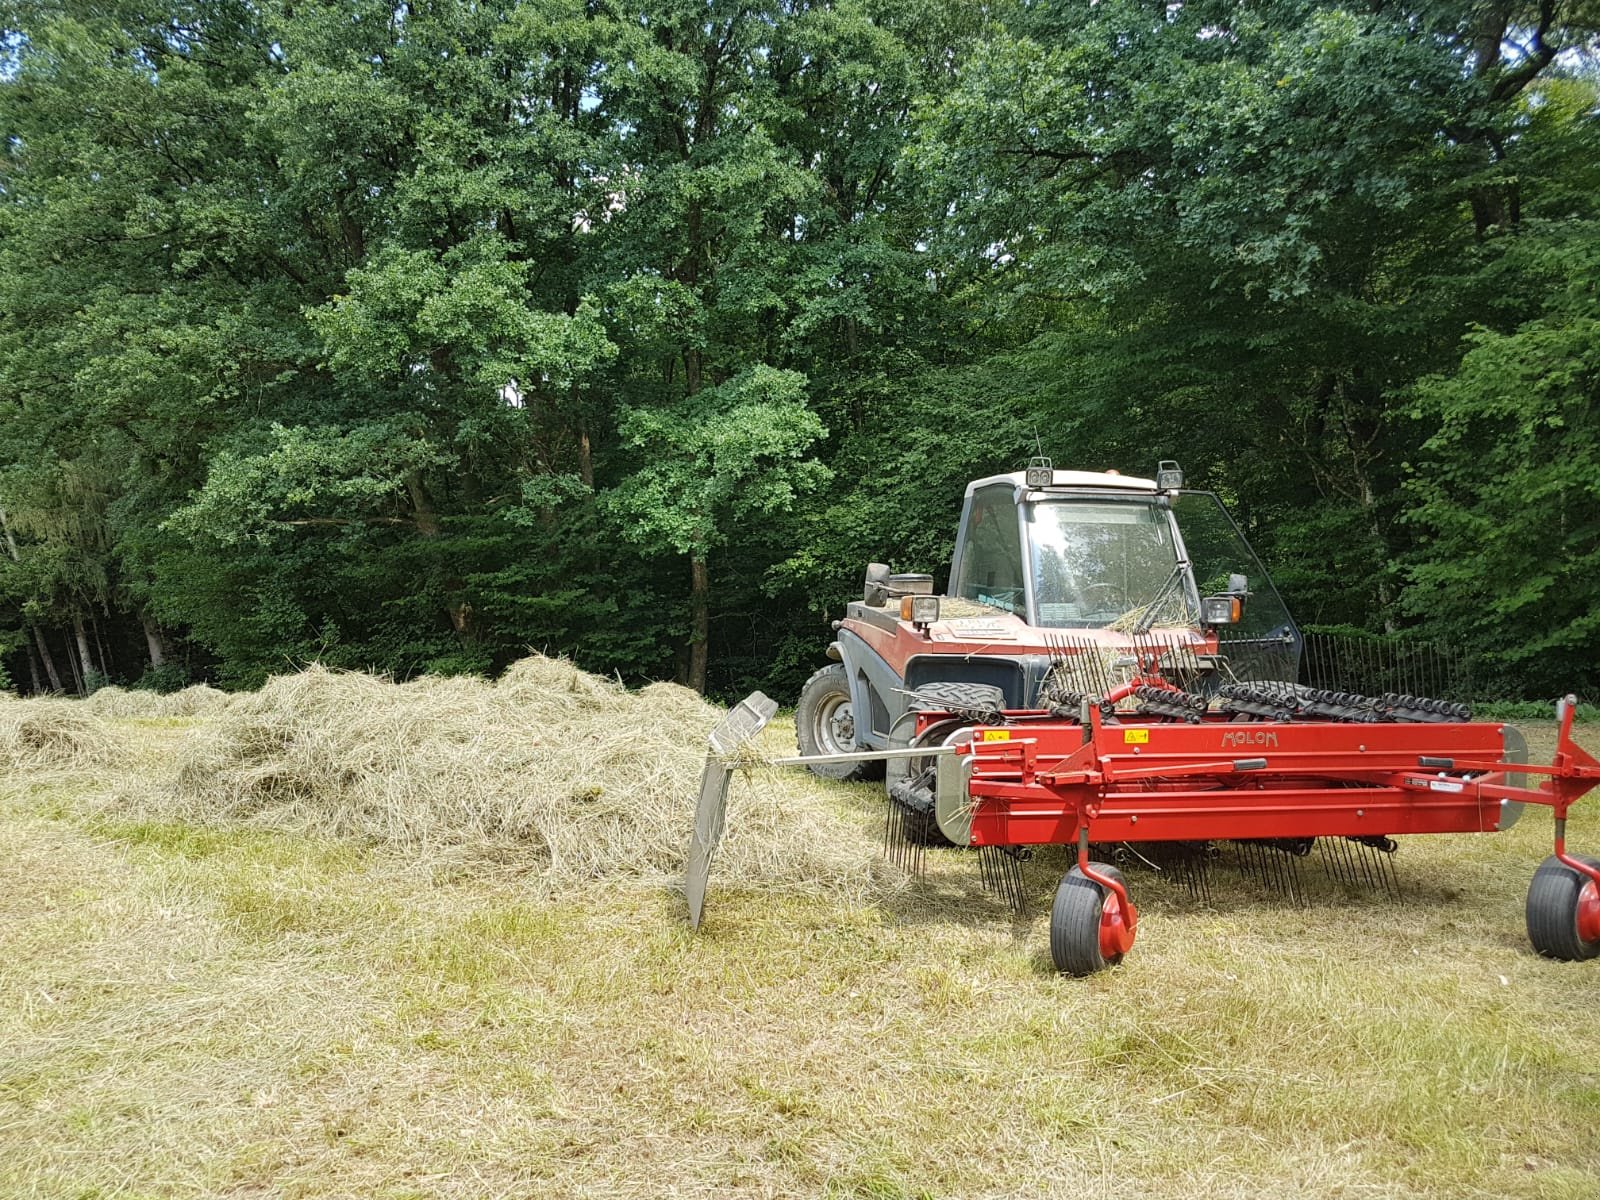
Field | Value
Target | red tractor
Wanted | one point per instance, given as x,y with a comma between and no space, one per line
1112,666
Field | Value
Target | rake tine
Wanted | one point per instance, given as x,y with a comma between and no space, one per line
1380,872
1283,873
1351,873
1014,880
1364,861
1363,865
1333,858
1001,876
1190,867
1284,869
1383,867
1330,860
1351,876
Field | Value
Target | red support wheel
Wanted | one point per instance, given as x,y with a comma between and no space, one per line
1090,928
1564,911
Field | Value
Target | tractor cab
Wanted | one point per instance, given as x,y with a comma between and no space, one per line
1048,563
1086,550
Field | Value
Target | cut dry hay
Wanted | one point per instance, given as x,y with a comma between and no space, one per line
39,735
563,775
197,700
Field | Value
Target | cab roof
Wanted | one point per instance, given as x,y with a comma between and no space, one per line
1071,479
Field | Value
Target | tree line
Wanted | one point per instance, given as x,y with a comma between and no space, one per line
410,336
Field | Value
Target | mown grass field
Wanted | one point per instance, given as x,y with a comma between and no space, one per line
190,1011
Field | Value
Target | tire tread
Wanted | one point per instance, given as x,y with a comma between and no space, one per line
1552,911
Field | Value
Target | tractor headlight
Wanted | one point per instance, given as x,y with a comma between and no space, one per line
1040,472
919,610
1221,610
1169,476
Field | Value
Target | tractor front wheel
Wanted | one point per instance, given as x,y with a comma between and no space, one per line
1564,911
1089,931
825,723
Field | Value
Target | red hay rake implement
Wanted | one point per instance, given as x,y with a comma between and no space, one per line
1151,766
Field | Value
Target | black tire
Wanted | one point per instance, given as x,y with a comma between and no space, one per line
1553,898
1075,922
979,703
825,724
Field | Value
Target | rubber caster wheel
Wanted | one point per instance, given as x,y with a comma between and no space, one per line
1089,931
1564,911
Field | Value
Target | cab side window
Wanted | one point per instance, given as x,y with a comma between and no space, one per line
991,564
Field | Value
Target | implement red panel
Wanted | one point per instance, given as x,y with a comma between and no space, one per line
1179,782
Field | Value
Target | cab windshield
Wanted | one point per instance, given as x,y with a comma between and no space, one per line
1101,563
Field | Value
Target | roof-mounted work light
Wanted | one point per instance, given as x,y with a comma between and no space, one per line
1041,473
1169,476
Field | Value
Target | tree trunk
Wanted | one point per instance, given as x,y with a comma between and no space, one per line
585,458
11,542
152,639
100,647
430,527
48,659
85,659
691,371
16,556
422,510
700,607
33,667
74,667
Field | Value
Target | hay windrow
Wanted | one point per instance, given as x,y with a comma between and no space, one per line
195,701
565,776
46,734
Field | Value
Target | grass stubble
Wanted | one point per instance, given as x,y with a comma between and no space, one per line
349,938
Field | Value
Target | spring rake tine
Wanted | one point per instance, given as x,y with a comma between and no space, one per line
1188,864
1387,860
1359,865
1352,872
1368,875
1199,874
1332,862
1378,870
1271,868
899,847
1000,870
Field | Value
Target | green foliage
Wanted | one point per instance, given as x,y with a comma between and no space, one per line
731,453
410,339
1507,487
167,678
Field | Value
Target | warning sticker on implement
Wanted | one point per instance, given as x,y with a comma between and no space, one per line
995,735
1130,736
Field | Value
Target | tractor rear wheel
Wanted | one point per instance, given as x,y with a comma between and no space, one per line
825,723
1088,929
1564,911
